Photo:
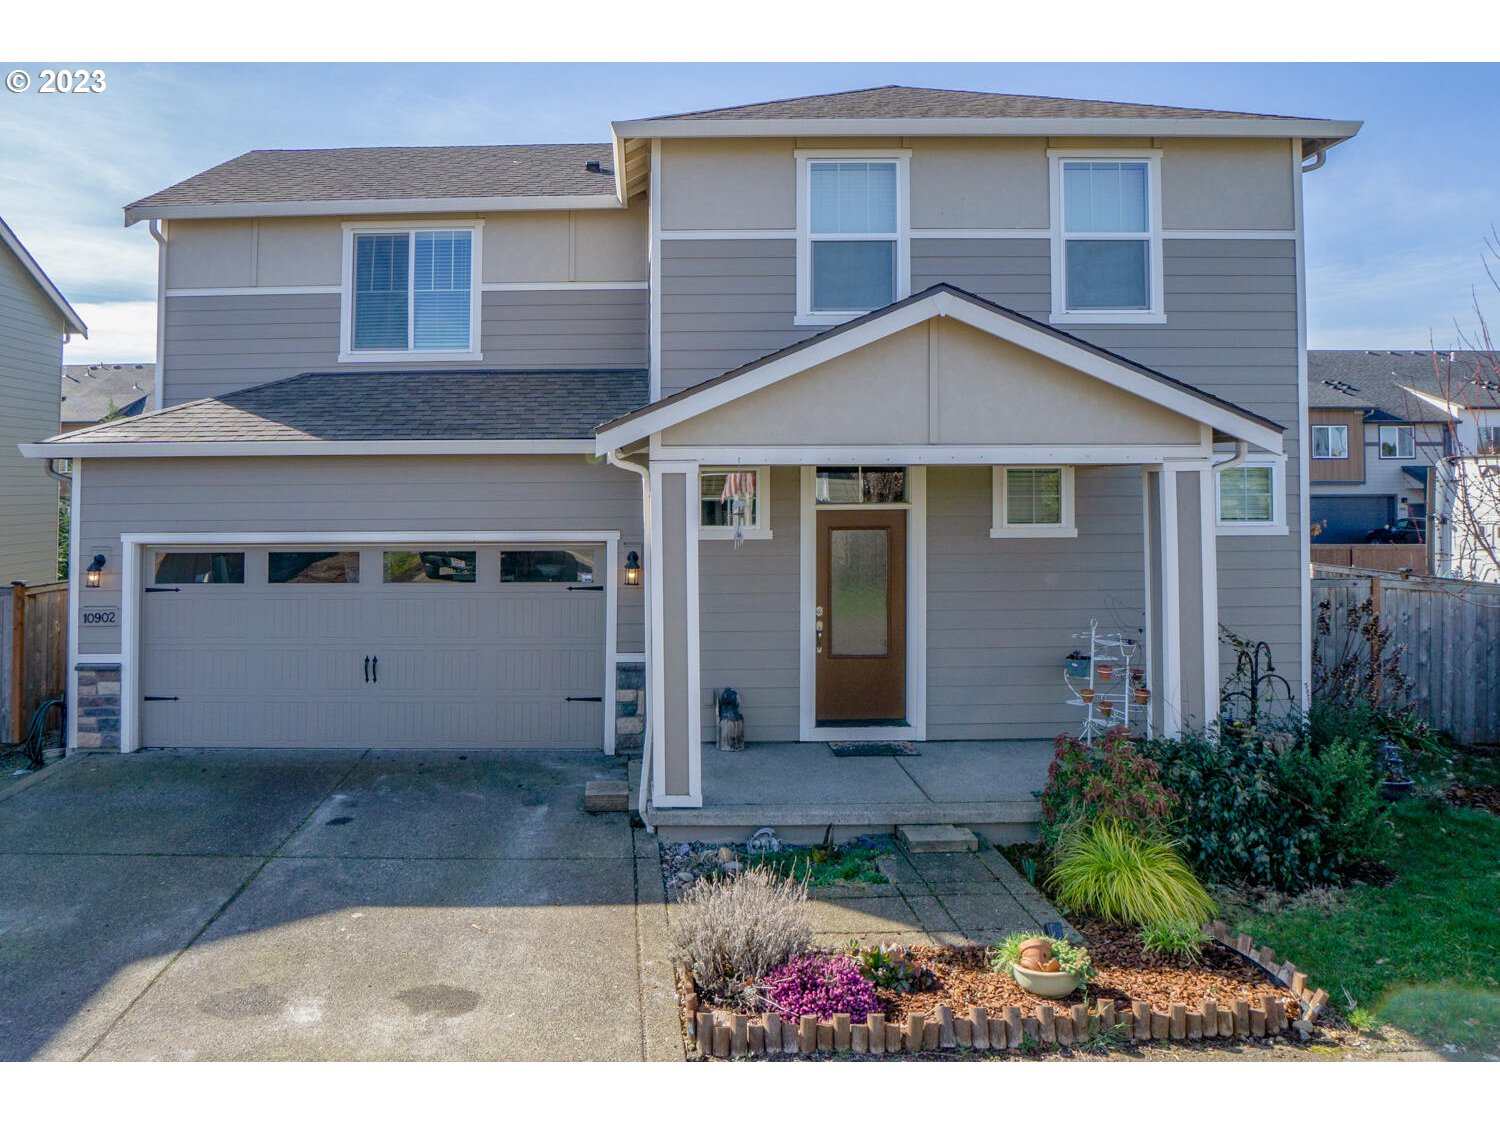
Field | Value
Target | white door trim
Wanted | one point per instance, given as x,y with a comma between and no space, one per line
916,619
134,543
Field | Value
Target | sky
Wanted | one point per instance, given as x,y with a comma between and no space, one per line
1396,220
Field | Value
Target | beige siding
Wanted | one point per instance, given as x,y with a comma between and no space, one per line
31,390
521,246
217,344
941,382
728,185
355,495
983,183
1221,184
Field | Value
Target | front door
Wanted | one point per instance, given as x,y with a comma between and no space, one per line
860,616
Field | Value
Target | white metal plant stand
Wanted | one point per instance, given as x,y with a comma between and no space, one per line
1108,694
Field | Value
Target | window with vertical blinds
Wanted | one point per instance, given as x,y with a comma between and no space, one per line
853,228
413,291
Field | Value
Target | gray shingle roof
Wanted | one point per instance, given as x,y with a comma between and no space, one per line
920,101
318,175
92,390
393,406
1373,380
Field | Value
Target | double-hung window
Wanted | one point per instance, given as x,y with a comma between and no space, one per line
1396,442
852,252
411,290
1330,443
1033,502
1251,498
1106,238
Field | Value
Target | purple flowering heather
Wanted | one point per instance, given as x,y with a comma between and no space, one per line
821,985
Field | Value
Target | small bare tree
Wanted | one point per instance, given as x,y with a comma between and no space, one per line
1466,491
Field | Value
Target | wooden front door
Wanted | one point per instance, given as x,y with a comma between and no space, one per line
860,616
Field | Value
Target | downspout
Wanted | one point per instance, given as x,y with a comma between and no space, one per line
614,458
161,313
1241,451
1319,159
61,478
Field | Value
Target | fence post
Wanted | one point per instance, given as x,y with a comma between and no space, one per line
1375,684
17,662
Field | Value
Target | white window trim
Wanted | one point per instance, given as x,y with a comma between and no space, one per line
1002,528
761,528
473,353
1411,434
1156,314
1312,446
1276,525
902,159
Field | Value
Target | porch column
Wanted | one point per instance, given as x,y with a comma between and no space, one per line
1182,587
673,697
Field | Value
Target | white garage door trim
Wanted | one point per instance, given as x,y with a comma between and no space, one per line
134,544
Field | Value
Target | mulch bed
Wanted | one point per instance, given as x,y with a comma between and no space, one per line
1125,974
1486,797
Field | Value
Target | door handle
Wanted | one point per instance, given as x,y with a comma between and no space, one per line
374,669
818,630
367,669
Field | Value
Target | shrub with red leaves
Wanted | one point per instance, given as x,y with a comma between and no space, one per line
1109,779
821,985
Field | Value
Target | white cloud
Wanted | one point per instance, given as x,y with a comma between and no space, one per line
119,332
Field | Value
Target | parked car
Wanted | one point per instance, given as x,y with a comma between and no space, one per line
1407,530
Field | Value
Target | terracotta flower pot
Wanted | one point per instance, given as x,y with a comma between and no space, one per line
1106,708
1106,672
1142,694
1086,694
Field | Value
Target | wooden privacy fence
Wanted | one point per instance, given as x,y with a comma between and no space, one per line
1373,556
1449,629
33,652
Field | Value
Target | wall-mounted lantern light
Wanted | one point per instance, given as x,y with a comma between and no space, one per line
632,569
95,572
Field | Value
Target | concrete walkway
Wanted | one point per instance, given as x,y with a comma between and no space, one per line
252,905
937,899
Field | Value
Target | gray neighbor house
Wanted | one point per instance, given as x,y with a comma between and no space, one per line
864,405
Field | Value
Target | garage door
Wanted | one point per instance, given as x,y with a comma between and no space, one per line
1351,518
447,645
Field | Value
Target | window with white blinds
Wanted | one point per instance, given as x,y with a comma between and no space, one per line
412,291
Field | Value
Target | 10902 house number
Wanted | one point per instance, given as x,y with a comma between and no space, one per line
100,616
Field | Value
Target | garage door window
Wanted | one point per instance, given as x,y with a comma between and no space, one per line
215,567
548,564
435,565
313,567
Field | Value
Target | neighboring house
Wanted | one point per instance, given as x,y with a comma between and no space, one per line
35,321
92,392
887,394
1372,442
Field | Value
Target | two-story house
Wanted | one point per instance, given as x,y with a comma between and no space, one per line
863,405
35,321
1372,441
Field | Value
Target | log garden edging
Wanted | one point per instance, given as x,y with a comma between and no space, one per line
723,1034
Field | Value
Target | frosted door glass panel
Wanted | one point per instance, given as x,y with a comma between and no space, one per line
859,581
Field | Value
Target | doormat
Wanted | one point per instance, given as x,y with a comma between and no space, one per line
873,750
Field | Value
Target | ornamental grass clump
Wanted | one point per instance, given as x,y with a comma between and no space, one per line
822,985
1109,870
730,933
1174,938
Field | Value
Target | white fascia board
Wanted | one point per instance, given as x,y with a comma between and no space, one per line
441,206
1452,409
34,270
306,448
992,126
946,304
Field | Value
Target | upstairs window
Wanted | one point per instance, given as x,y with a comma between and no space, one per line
851,253
1396,442
411,290
1106,240
1330,443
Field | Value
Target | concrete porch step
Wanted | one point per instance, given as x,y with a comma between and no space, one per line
936,838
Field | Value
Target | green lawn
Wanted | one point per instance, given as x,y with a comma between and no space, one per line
1422,954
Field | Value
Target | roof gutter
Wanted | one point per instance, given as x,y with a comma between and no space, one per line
136,212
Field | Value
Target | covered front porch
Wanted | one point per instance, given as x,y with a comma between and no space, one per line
806,791
946,494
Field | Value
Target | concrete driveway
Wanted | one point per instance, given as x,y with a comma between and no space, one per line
329,905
